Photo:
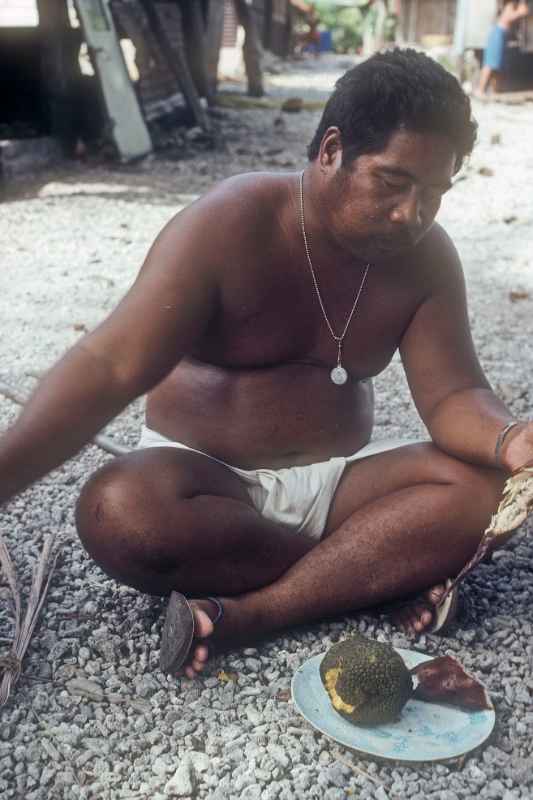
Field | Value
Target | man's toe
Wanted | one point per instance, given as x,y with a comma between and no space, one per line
425,619
201,653
203,625
434,594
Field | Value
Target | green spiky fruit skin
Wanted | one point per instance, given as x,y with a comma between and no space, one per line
374,678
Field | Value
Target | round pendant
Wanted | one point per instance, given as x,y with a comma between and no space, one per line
338,375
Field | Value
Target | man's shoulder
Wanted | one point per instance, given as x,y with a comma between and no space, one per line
437,253
231,208
237,211
249,191
437,242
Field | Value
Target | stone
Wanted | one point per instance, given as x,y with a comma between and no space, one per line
252,792
200,761
85,688
279,755
182,782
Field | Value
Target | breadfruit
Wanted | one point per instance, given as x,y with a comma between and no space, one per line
367,681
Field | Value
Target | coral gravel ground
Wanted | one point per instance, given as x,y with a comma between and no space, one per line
92,717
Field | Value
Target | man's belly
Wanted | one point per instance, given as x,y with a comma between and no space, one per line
273,417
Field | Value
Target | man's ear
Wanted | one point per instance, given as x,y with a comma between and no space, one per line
330,153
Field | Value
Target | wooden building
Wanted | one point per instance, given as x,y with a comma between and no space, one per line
465,23
426,21
45,92
173,50
474,19
273,19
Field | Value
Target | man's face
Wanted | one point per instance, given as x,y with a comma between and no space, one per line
384,203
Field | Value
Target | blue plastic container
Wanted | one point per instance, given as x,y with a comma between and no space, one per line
326,42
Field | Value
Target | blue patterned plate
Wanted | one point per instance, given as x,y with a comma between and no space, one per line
424,732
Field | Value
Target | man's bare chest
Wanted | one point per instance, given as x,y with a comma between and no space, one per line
280,321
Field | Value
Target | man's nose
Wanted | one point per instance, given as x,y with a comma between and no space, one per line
409,211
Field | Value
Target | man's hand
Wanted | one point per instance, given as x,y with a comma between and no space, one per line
517,448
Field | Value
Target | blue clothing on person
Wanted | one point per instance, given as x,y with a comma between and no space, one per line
494,54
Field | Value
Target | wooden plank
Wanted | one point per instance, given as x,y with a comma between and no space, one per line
127,127
435,18
166,21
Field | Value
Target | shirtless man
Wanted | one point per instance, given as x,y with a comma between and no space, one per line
230,327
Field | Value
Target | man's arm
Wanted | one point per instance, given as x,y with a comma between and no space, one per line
452,394
521,11
162,315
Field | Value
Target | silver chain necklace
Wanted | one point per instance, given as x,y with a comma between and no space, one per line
338,374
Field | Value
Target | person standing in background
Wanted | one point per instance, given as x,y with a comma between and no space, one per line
494,57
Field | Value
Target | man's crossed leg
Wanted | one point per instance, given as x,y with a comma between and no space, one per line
400,523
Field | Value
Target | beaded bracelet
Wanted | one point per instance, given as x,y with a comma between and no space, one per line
501,436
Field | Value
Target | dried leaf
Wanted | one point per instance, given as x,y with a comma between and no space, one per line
292,105
515,506
227,677
515,295
11,665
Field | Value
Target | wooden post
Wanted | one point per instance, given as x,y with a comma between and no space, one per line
194,31
59,69
413,22
215,27
252,50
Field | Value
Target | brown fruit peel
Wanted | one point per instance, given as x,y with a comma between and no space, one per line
444,680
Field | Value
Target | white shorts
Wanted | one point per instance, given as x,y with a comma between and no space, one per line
299,497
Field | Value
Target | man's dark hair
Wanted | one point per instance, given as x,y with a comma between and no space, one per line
399,88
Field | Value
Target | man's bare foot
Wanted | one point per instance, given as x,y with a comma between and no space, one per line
204,612
418,615
199,624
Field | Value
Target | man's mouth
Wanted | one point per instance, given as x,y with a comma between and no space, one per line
394,243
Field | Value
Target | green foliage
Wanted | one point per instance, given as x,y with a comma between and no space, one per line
346,24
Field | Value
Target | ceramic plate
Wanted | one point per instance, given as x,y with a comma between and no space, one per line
424,732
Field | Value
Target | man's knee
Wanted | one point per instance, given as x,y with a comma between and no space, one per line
107,512
123,509
128,491
481,488
477,489
133,512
